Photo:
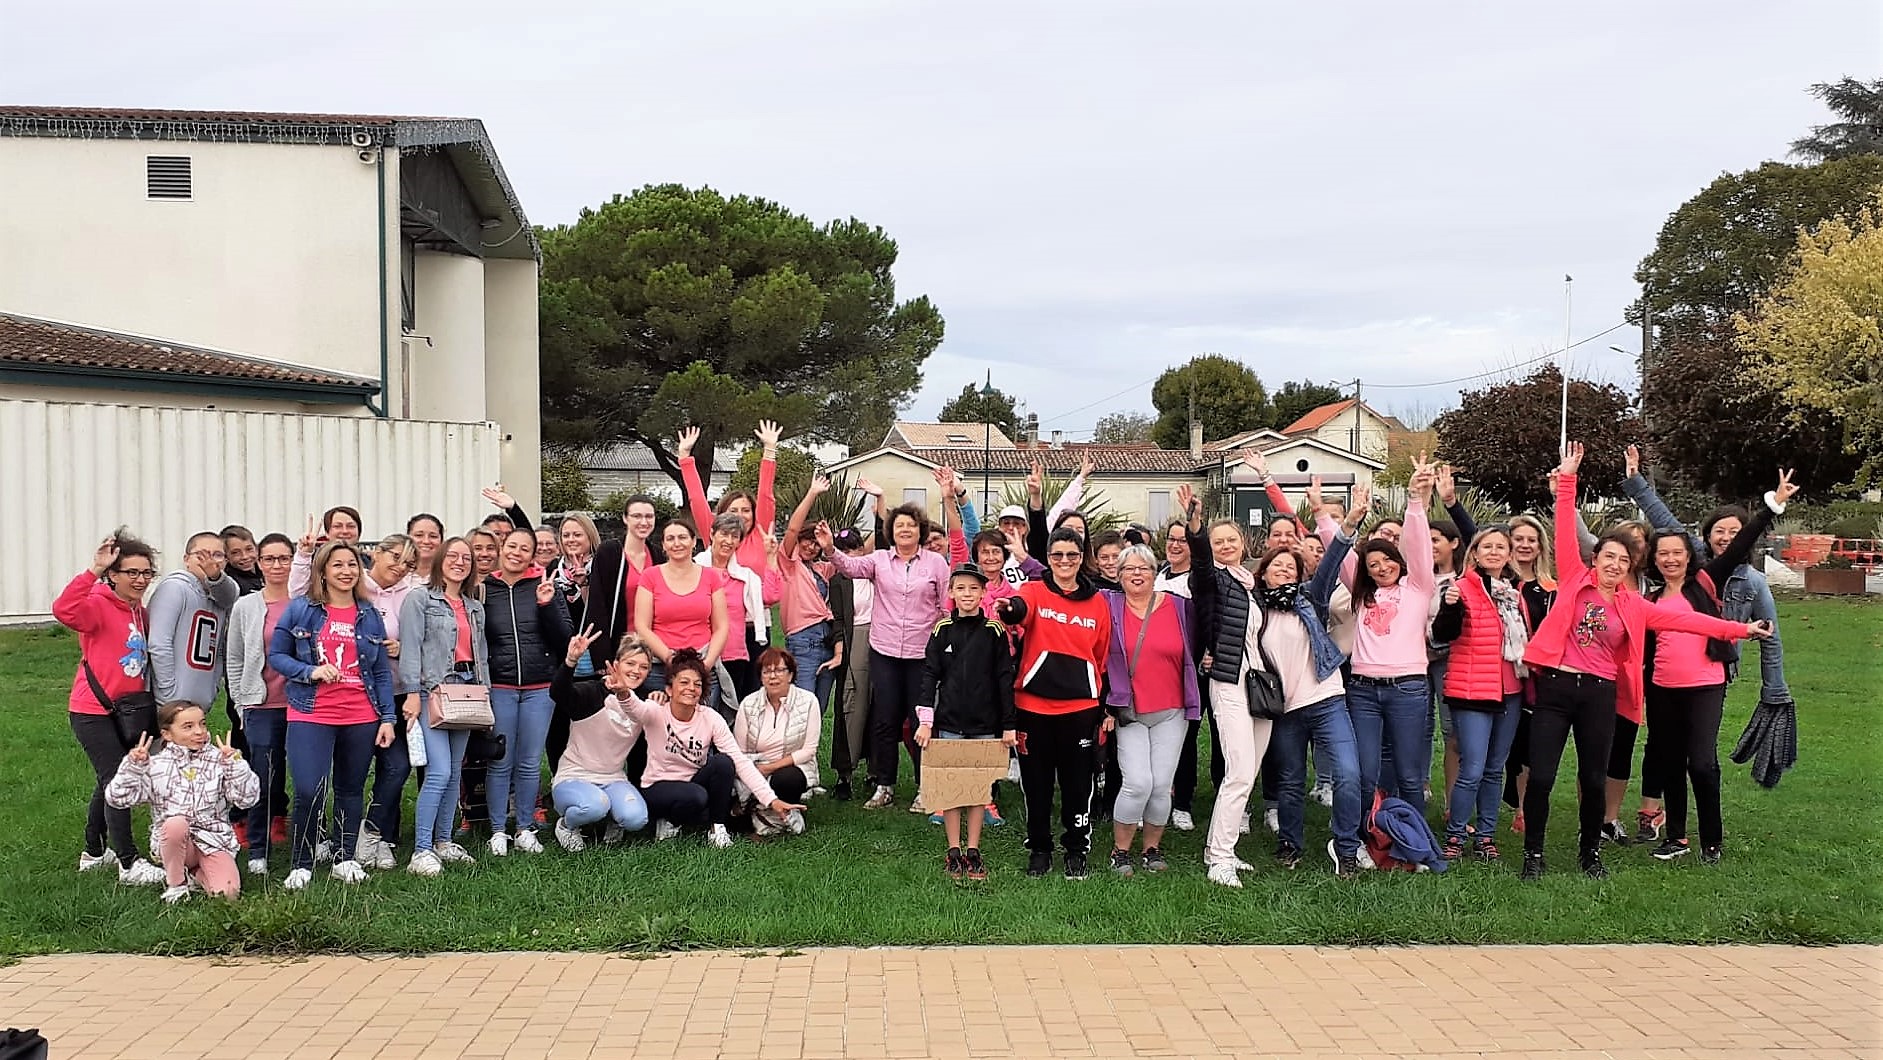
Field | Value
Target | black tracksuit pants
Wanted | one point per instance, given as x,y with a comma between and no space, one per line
1567,703
1058,749
1684,744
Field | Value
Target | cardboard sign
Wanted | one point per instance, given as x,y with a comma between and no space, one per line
957,773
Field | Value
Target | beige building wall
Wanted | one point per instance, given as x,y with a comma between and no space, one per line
1339,434
512,381
274,255
447,351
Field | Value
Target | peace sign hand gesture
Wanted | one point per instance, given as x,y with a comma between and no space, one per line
1786,489
140,755
308,539
225,744
578,645
545,591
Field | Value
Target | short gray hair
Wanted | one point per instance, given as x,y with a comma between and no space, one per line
1142,552
728,522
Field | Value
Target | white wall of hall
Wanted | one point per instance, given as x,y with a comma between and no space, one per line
75,471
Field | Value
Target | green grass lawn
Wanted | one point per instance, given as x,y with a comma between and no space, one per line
1801,865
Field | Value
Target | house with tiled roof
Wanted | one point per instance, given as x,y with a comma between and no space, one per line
343,303
1357,429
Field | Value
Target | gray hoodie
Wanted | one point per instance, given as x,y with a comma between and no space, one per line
186,624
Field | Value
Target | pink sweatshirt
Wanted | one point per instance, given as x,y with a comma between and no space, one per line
677,749
1389,639
110,638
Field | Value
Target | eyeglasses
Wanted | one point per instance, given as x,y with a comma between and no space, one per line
144,573
1139,569
276,559
775,671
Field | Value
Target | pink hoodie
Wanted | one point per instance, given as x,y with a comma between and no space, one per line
110,638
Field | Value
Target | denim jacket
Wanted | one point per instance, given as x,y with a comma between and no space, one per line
1746,596
293,652
429,643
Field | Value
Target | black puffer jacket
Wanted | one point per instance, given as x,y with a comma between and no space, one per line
527,641
1223,608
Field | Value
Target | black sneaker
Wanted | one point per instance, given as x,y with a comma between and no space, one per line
1592,866
1671,849
1710,855
1648,826
977,869
1289,857
1121,862
954,863
1346,866
1039,863
1532,867
1613,832
1153,860
1075,866
842,791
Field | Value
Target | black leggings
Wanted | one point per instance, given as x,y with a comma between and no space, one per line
895,685
706,799
1621,752
1684,744
789,784
1585,705
98,737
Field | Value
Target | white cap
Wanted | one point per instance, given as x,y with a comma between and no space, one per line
1012,511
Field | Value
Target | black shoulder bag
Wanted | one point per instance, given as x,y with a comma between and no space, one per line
135,712
1263,687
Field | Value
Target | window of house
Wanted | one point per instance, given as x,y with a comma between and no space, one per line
1301,466
167,177
915,495
959,439
1159,507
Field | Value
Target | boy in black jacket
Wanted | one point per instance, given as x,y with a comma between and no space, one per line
967,694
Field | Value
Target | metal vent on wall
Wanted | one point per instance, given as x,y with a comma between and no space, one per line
167,177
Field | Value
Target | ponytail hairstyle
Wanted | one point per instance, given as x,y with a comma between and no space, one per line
688,659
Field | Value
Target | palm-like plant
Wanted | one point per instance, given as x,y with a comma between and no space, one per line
1093,503
840,505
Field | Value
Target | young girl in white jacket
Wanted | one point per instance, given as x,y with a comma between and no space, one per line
189,785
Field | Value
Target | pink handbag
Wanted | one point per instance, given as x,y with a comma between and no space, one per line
456,706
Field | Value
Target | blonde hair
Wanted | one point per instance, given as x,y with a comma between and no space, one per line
317,581
588,531
1210,532
1545,556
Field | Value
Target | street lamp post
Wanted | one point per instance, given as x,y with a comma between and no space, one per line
987,440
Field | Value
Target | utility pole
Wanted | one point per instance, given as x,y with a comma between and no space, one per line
1562,365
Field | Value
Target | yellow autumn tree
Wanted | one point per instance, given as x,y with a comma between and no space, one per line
1820,330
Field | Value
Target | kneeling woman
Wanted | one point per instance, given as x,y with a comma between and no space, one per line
777,728
590,782
692,758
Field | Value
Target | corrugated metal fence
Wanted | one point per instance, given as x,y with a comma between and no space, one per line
71,472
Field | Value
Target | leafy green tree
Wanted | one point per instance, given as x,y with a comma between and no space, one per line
677,306
1228,396
1504,438
565,484
1124,428
1858,130
995,407
1295,400
793,477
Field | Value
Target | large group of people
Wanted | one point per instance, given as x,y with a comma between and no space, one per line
681,677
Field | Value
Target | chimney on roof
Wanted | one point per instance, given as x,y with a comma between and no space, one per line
1059,439
1032,428
1196,440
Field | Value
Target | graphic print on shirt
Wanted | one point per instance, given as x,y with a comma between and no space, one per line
1379,618
1593,624
682,745
136,653
205,631
336,646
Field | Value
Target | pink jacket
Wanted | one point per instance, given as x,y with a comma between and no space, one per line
110,638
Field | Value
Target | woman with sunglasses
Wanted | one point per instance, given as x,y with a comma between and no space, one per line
104,605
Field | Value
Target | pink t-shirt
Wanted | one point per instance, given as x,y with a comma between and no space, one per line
274,682
1595,637
341,702
685,620
677,749
1157,683
1680,658
464,651
801,606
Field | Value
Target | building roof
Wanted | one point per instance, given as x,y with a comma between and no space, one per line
464,140
1107,459
44,349
1315,419
910,434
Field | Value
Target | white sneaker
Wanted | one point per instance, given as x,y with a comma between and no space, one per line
425,863
1224,874
1271,820
1243,866
1182,821
612,835
527,842
795,822
388,856
173,895
815,792
719,837
763,824
453,854
1366,860
499,844
298,879
258,866
141,873
323,852
570,839
1323,794
664,830
88,862
348,871
885,796
916,806
366,850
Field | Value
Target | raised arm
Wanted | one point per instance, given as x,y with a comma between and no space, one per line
697,507
502,501
1460,515
1740,548
1639,490
1036,511
794,530
1074,492
765,511
1416,542
1321,586
1568,519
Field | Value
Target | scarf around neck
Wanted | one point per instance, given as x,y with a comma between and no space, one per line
1280,597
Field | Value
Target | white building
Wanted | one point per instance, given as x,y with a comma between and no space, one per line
228,270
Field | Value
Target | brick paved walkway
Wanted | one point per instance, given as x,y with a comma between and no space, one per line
1182,1001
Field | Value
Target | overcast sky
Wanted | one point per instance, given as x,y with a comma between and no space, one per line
1090,192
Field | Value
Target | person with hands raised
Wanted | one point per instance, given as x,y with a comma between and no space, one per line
443,627
1589,653
755,511
591,784
104,606
750,593
331,647
804,601
527,628
190,783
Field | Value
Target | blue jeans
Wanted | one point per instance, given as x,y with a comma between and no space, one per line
323,758
523,720
811,648
437,812
266,729
581,803
1389,731
392,766
1484,739
1327,727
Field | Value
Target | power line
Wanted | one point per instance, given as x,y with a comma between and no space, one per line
1102,400
1540,358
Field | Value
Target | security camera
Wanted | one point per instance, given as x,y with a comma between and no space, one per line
362,139
368,156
